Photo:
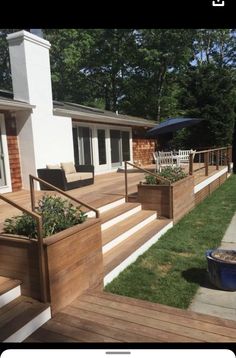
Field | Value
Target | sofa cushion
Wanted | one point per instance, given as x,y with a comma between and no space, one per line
86,175
78,176
53,166
68,167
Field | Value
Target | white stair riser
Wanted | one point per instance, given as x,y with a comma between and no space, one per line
120,217
10,295
102,209
128,233
129,260
30,327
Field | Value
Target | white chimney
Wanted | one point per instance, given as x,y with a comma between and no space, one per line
43,138
30,68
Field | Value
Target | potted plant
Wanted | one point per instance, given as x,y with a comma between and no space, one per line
222,268
170,193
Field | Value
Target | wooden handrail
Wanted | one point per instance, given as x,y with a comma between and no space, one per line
41,257
32,178
166,181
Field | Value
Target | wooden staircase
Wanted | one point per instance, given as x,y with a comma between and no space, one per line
20,316
127,232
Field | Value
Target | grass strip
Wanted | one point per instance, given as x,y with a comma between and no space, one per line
171,271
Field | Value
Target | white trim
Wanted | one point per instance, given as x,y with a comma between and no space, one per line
110,245
209,180
94,117
112,205
8,187
15,105
30,327
102,209
10,295
129,260
17,37
120,217
105,168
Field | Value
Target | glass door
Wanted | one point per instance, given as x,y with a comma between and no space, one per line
2,165
102,149
120,147
82,140
116,154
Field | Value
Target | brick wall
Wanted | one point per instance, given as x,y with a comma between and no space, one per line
13,153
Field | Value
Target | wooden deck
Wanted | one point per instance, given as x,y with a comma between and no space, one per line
103,317
106,189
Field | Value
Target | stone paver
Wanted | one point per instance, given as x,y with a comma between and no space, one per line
212,301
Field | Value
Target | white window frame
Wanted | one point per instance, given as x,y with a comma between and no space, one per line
8,187
103,168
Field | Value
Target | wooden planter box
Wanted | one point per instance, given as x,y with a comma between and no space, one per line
172,201
73,260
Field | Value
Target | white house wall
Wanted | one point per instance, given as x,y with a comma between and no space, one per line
53,140
26,146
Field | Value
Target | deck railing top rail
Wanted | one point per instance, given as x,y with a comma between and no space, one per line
32,194
211,150
166,181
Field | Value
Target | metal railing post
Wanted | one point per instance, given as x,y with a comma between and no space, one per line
32,194
42,264
206,162
126,182
228,159
191,164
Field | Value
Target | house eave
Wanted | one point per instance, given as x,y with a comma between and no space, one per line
100,118
14,105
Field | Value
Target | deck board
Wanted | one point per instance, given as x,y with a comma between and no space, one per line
98,316
106,189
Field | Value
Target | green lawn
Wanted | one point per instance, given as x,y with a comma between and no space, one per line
171,271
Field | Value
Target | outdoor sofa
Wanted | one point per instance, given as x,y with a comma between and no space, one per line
66,176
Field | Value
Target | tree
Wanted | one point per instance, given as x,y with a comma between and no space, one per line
5,72
160,54
210,94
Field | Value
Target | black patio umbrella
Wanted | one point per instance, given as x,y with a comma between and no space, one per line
171,125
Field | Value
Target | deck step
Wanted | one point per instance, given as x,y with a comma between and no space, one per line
9,290
21,317
119,213
118,233
133,198
122,255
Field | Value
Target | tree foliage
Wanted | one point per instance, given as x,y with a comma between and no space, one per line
150,73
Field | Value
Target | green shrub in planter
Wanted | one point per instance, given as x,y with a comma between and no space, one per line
57,215
171,173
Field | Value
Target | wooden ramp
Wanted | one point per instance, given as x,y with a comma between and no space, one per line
103,317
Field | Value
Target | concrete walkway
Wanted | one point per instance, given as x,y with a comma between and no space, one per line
212,301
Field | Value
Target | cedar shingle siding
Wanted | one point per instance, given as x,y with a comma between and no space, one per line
13,153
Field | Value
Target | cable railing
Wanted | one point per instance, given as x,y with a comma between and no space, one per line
211,157
163,180
41,257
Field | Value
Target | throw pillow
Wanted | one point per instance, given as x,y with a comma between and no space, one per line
68,167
